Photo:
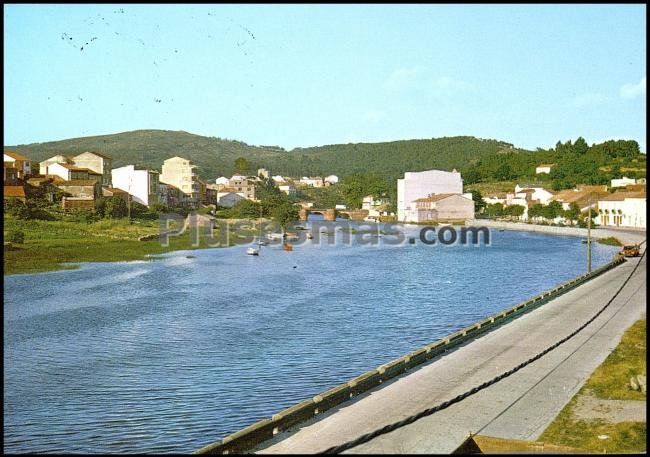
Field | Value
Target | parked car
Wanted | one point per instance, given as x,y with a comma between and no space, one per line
631,250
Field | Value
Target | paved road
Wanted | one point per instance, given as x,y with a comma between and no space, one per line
520,406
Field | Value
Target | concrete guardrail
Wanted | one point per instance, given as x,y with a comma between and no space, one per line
265,429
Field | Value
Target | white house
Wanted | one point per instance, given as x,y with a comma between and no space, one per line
142,185
544,168
622,209
533,192
421,184
278,179
331,179
222,181
312,181
43,166
622,182
287,189
70,172
99,163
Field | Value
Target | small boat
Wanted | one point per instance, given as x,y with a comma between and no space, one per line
252,251
262,242
287,247
274,236
310,236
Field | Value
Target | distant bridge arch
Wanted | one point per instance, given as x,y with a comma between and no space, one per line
330,214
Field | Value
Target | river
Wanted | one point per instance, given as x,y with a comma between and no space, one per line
170,354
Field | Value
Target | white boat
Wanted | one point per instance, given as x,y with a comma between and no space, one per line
251,250
274,236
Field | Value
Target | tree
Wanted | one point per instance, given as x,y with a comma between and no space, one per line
111,207
494,209
535,210
284,214
479,203
580,147
514,210
242,165
573,213
552,210
504,172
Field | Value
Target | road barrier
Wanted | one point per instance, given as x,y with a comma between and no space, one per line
261,431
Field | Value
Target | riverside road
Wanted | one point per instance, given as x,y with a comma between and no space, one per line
520,406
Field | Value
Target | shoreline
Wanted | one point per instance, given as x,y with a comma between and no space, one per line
147,250
624,235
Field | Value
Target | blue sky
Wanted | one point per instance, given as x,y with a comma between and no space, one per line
308,75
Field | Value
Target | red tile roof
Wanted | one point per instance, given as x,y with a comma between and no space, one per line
620,196
434,198
16,156
13,191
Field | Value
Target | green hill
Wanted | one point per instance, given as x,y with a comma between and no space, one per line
215,156
477,159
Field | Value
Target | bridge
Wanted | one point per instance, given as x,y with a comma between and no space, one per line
330,214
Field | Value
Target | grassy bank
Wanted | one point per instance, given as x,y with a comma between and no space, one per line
49,244
608,381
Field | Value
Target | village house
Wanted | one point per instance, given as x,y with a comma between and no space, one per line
312,181
72,172
211,191
278,179
181,173
227,197
622,182
143,185
242,185
544,168
20,163
416,185
170,196
443,208
288,189
622,209
10,173
115,192
99,163
60,159
532,192
331,179
583,196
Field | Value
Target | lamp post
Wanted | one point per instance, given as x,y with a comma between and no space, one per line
589,239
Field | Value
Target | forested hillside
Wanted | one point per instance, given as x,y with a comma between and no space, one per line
478,160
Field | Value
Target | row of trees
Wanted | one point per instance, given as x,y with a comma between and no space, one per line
538,211
574,163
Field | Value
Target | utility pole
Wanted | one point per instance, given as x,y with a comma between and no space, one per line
589,239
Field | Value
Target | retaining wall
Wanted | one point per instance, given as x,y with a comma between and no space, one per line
263,430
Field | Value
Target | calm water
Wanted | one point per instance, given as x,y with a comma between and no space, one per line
171,354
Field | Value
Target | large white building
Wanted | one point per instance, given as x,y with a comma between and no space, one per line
422,184
142,185
622,209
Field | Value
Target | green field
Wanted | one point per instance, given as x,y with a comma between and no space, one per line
48,245
608,381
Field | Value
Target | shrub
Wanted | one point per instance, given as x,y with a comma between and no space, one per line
16,236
